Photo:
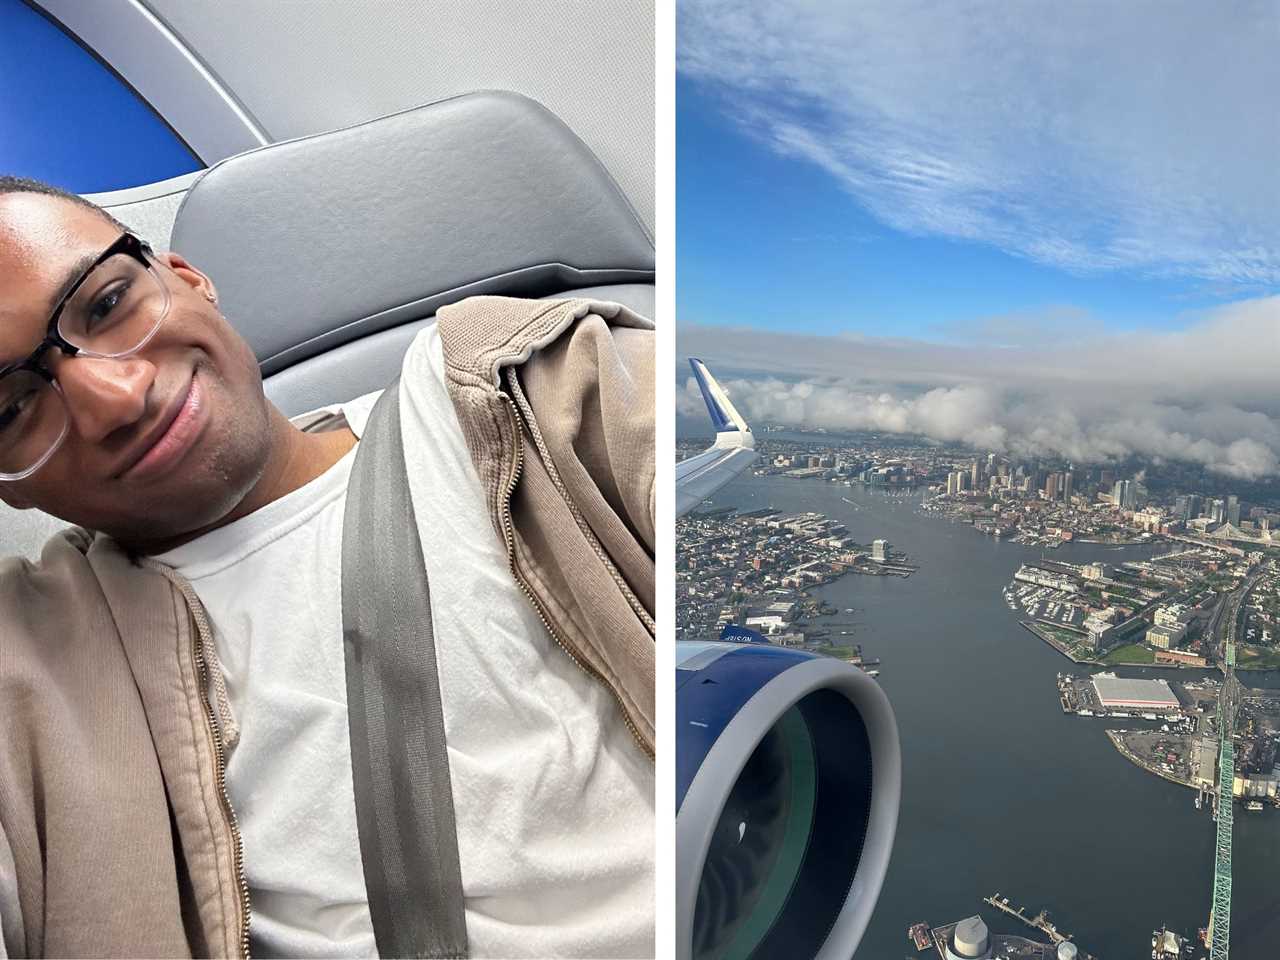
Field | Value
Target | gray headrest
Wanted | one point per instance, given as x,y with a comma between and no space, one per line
316,242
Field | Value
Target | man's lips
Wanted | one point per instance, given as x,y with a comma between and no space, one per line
171,437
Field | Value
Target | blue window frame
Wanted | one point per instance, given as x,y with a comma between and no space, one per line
68,120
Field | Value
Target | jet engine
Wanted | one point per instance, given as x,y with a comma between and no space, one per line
788,776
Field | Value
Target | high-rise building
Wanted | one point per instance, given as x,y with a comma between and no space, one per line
975,477
880,550
1217,510
1182,508
1051,487
1233,510
1066,487
1124,494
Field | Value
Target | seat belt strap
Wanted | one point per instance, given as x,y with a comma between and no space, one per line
399,765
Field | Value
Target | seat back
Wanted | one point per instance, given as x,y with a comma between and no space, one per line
331,252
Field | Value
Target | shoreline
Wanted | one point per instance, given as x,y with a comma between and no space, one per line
1118,742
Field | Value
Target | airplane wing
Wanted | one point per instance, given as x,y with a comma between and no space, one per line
701,475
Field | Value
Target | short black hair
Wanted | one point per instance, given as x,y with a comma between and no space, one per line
10,184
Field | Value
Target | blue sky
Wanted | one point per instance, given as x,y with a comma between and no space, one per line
772,241
882,171
1039,228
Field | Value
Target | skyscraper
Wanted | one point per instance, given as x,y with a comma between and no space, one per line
1233,510
1124,494
1066,487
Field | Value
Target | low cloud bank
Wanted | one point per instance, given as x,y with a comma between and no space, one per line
1209,394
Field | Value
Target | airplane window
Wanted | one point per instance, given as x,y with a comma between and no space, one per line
70,121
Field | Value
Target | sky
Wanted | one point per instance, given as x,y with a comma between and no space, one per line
1068,216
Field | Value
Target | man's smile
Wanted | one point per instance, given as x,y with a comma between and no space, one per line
169,439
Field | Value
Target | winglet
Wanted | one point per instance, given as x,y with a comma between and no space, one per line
723,415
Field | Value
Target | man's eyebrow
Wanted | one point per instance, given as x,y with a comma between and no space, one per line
69,280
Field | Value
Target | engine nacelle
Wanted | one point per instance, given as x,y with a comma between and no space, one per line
788,776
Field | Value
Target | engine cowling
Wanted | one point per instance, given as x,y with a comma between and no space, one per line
788,777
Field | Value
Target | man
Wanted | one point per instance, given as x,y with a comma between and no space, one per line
174,745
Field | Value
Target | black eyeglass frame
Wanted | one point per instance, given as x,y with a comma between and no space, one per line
126,244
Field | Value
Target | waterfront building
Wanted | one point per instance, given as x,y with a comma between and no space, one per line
1149,519
970,940
1117,693
1205,772
1100,632
880,550
1046,578
1184,657
1096,571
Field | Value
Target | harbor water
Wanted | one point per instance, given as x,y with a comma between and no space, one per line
1002,792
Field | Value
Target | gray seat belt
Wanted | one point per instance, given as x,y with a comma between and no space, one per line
404,799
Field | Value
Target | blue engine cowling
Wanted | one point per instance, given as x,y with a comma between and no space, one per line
788,776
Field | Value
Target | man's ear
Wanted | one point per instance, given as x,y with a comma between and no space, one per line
189,275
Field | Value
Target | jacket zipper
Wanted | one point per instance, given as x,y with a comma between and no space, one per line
202,671
522,405
508,531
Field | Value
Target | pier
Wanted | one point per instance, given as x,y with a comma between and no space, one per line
1040,921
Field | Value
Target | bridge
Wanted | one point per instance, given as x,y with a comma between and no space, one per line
1220,911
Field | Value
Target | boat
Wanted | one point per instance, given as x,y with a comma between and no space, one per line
1199,803
1253,805
1167,945
918,933
1149,716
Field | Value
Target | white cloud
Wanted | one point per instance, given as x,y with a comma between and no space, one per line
1207,394
1088,136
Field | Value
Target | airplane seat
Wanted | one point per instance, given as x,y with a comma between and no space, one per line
331,252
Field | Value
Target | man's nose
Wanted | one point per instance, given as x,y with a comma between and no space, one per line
104,395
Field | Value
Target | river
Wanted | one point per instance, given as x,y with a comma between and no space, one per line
1001,791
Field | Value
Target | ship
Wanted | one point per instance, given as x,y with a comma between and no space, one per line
1167,945
1253,805
918,933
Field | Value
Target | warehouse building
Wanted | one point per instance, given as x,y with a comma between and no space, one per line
1116,693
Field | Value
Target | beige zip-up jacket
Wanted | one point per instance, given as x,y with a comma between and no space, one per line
116,834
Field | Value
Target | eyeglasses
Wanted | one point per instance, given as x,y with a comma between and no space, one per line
111,311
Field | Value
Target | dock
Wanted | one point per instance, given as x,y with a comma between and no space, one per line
1040,921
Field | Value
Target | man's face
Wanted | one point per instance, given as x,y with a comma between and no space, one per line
162,442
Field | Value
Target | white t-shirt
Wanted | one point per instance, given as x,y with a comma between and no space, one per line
554,799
